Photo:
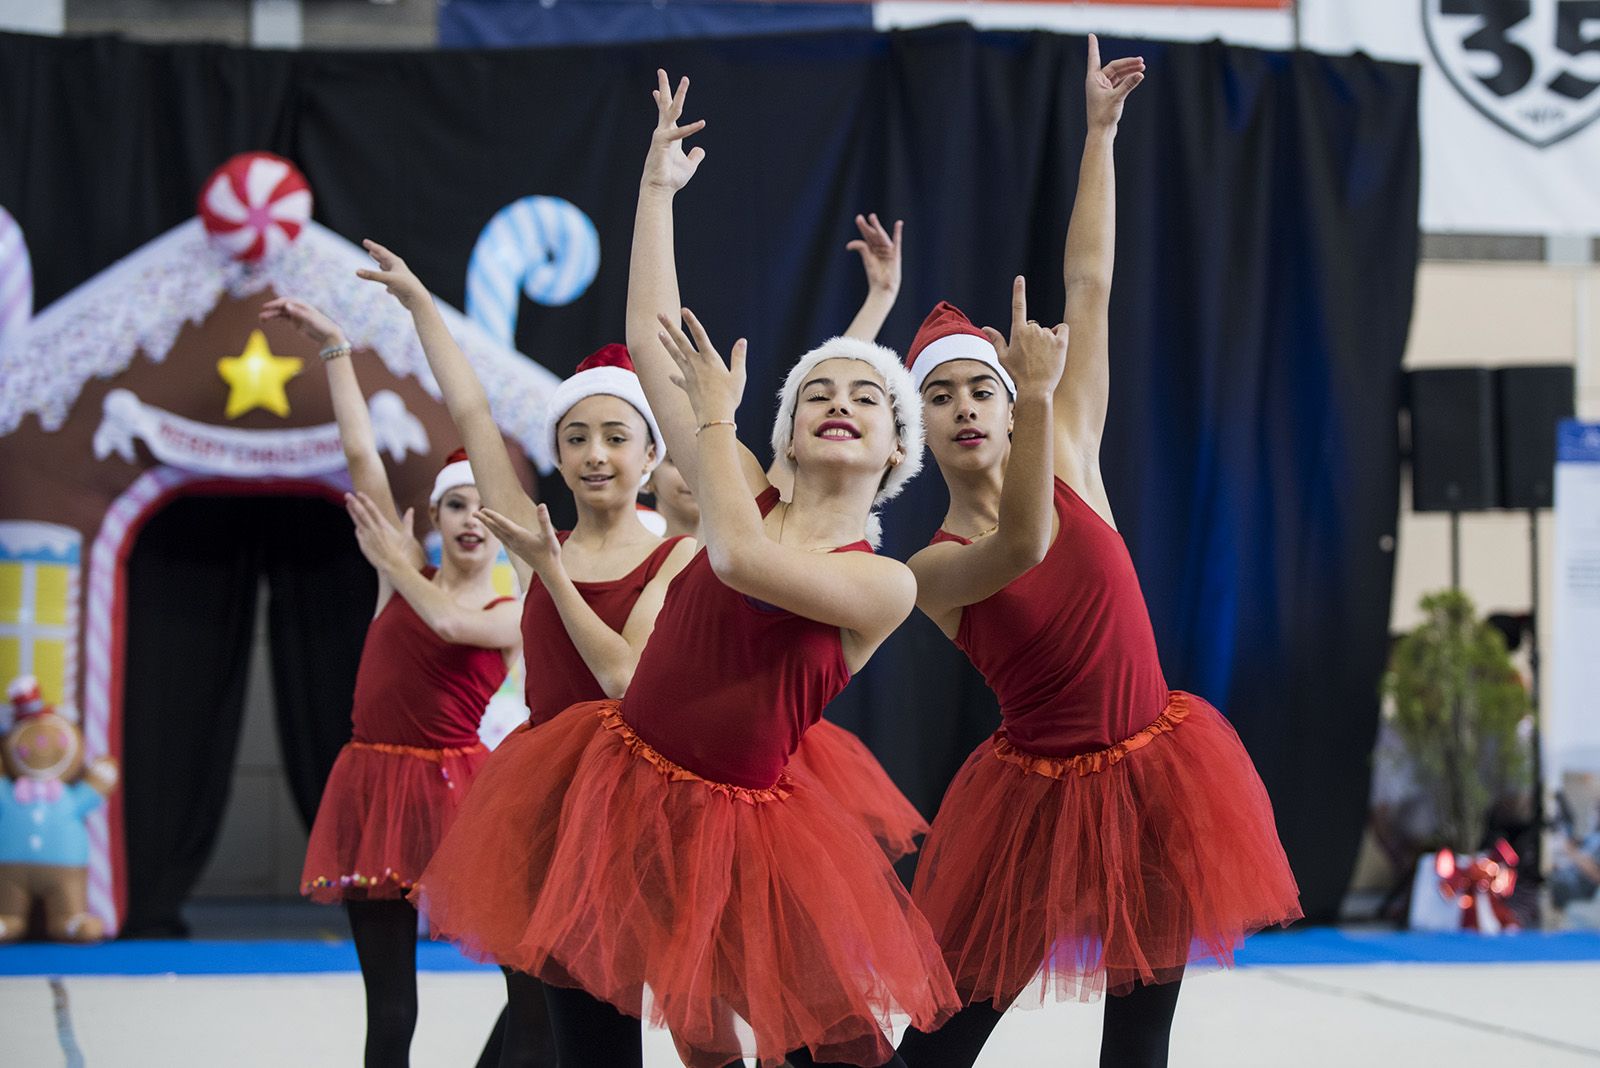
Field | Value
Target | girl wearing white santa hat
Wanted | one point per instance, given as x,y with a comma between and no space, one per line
1112,832
676,845
433,657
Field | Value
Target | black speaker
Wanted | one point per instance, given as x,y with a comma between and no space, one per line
1532,400
1454,467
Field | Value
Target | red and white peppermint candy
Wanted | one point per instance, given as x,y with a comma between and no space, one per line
254,205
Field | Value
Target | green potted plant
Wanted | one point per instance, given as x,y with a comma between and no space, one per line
1457,703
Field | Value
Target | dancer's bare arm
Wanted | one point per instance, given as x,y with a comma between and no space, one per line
383,544
951,575
367,474
653,282
880,259
610,656
1082,396
497,482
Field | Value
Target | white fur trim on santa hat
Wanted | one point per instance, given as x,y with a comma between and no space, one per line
450,476
609,381
24,695
959,347
903,399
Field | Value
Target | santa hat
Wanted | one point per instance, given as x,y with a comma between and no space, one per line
945,335
455,472
26,700
903,402
609,372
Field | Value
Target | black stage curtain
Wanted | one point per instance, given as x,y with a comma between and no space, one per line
321,592
193,577
1267,247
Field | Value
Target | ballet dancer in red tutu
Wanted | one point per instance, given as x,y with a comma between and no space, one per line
1112,832
667,840
437,649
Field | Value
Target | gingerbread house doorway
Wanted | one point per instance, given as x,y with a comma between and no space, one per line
222,582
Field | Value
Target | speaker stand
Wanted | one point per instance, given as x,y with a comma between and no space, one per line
1455,550
1535,864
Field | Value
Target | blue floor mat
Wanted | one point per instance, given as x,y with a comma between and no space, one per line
1316,945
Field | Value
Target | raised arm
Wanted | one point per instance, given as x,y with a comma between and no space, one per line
610,656
880,259
951,575
361,456
653,282
383,544
1081,397
496,479
863,594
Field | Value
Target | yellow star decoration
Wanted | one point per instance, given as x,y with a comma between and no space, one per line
256,378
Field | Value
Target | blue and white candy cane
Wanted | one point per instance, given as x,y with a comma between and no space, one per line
16,280
545,247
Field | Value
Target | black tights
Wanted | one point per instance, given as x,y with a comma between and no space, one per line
1138,1027
1136,1033
521,1036
590,1032
385,934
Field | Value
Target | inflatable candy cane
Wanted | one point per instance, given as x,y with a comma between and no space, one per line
545,247
16,281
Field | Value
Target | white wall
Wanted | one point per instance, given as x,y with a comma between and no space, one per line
33,16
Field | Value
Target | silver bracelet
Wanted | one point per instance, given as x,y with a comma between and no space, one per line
334,352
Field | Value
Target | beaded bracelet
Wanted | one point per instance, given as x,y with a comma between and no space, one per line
334,352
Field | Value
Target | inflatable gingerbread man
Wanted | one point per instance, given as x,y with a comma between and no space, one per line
44,845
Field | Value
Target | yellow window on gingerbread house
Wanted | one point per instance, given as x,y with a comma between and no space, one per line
39,581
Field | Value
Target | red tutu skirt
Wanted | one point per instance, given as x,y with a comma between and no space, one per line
586,858
846,768
1067,877
384,811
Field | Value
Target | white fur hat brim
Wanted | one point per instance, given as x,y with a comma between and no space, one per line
602,381
903,400
953,347
450,477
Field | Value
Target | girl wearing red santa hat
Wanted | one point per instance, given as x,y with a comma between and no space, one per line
594,592
1112,832
666,839
433,657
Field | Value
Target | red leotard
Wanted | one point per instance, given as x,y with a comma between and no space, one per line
1111,833
1067,647
774,673
414,688
395,787
556,673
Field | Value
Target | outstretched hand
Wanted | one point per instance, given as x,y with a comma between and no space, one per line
394,275
714,388
1108,86
1034,356
387,547
539,549
322,330
880,253
668,167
